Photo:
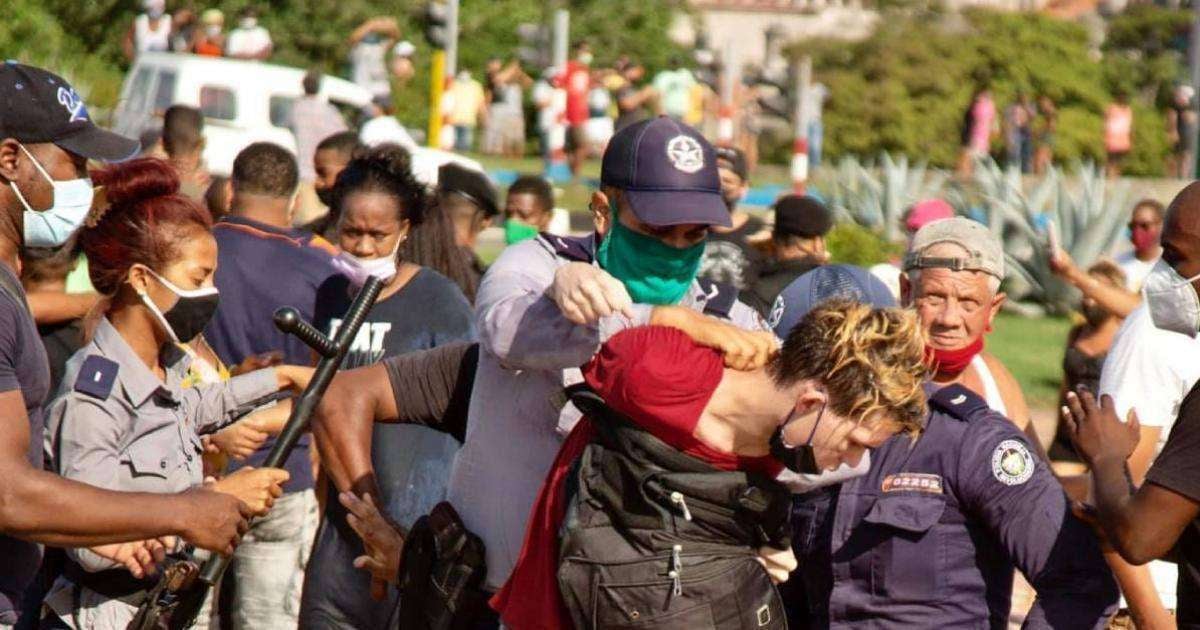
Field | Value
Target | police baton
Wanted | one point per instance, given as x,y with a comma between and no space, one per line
332,352
175,601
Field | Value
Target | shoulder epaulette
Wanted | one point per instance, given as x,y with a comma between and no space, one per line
959,402
572,248
97,376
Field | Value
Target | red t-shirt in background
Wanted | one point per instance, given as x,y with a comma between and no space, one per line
577,80
660,379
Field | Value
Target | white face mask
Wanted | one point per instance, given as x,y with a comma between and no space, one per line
248,23
213,30
586,58
53,226
359,269
1172,300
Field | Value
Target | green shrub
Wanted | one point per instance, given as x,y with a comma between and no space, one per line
853,244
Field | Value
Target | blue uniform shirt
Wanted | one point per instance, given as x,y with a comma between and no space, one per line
930,535
261,268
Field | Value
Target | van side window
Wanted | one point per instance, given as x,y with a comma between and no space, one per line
164,94
281,111
139,89
218,102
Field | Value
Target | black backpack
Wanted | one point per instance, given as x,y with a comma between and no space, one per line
654,538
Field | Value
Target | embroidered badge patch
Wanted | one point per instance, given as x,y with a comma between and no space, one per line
685,153
1012,464
919,482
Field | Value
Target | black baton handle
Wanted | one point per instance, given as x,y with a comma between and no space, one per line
290,322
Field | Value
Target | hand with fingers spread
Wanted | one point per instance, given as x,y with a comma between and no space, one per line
585,293
140,557
1096,431
381,538
742,349
240,439
256,487
212,520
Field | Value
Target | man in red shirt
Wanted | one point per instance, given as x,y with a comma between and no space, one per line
847,378
576,79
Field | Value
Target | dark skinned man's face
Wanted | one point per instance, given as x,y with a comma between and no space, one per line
17,168
1181,235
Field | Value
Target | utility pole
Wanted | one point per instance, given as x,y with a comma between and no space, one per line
451,39
556,164
800,115
728,82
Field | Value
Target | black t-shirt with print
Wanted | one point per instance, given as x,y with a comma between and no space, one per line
729,258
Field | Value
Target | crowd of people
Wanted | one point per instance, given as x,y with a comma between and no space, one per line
1028,130
685,416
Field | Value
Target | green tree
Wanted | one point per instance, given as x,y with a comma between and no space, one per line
905,89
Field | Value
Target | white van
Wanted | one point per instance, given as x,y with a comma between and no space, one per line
242,101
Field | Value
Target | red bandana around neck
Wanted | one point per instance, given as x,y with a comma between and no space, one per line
951,363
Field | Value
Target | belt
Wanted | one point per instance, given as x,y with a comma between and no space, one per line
111,583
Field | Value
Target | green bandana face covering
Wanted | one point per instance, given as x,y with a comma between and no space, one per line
652,271
516,231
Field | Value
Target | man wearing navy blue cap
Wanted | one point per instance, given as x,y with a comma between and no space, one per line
547,304
46,139
930,534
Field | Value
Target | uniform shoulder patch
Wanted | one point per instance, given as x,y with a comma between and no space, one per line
1012,463
572,248
97,376
959,402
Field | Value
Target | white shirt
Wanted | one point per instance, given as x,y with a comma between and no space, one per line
367,66
1135,270
384,129
247,41
1151,370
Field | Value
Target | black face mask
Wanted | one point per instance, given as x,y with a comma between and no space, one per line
325,195
798,459
191,312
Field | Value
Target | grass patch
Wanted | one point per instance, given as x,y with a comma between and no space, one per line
1032,349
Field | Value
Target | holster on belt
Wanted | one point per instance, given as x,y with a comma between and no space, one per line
441,573
174,600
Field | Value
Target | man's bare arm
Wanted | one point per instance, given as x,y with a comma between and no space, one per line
342,424
42,507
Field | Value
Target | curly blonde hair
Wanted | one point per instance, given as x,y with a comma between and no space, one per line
870,360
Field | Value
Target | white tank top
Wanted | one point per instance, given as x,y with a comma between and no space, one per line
147,39
991,391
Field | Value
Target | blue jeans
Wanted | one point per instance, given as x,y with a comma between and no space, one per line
268,567
464,137
816,137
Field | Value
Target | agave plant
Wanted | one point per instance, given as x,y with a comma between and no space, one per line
1088,217
877,197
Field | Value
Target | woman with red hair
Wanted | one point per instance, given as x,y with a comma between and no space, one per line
124,419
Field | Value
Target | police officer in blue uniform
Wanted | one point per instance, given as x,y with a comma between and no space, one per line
930,535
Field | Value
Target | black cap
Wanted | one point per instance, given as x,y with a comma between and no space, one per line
38,106
797,215
668,173
734,160
470,183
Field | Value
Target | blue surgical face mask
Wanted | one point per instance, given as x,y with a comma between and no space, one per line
54,225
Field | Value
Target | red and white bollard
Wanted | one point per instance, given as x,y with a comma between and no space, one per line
800,165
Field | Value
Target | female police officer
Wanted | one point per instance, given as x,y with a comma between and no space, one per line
123,420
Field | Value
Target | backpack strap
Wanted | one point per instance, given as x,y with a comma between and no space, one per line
572,248
959,402
719,298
